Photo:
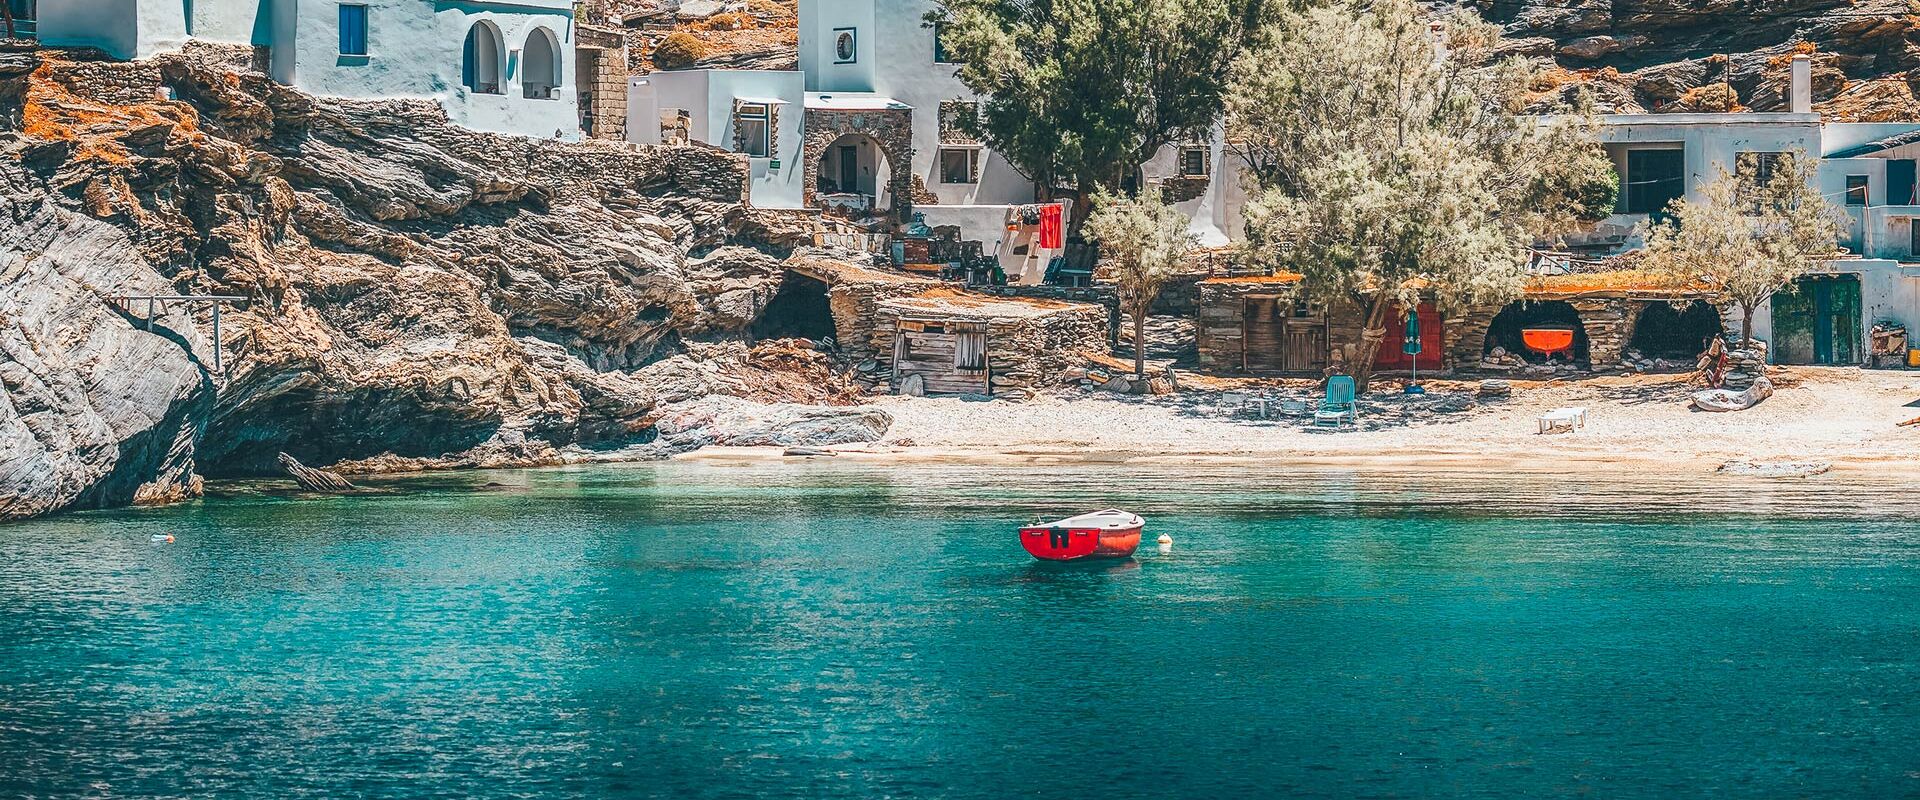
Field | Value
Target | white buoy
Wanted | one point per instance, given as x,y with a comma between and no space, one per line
163,538
1166,543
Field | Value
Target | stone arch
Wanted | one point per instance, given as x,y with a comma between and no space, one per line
889,129
483,59
1661,330
540,64
1504,331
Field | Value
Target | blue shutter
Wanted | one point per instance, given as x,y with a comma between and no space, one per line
353,30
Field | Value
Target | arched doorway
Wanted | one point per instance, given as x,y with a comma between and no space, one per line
854,173
540,65
483,59
1509,327
1661,331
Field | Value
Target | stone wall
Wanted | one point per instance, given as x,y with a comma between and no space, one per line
1220,327
1023,352
1608,320
601,81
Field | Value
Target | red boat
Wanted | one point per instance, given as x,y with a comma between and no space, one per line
1548,340
1100,534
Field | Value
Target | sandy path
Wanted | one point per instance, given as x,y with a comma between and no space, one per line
1840,415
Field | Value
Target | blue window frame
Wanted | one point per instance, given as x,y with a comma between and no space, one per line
353,30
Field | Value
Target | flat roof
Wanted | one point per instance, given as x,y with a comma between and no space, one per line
854,101
951,303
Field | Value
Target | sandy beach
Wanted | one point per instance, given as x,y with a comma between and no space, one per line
1845,417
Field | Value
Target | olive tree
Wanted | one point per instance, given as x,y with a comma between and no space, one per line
1751,233
1388,161
1143,240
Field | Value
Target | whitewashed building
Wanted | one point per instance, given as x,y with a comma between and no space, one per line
1866,170
506,67
870,119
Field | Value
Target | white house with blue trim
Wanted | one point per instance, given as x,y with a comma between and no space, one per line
505,67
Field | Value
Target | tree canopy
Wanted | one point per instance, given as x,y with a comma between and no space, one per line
1078,93
1390,161
1750,234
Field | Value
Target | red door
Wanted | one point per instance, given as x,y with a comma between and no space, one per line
1393,355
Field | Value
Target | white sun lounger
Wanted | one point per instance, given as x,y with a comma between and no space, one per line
1562,420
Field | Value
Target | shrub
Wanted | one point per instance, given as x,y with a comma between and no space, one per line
679,50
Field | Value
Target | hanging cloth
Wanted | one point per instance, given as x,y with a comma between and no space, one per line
1052,233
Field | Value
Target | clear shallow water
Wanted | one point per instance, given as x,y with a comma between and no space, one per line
829,630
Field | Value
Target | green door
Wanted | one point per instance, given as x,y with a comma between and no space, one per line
1818,323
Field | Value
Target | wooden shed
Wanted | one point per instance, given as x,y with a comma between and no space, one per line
963,343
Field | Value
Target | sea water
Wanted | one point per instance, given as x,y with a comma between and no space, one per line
827,629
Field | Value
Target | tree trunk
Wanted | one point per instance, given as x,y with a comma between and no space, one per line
6,10
1082,208
1371,334
1140,343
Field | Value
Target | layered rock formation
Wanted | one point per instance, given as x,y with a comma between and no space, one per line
1683,55
413,291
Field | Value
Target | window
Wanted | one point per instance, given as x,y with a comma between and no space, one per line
940,54
1913,237
959,165
970,347
1654,179
752,130
1193,162
1753,171
846,48
1757,169
540,65
353,30
483,59
1857,188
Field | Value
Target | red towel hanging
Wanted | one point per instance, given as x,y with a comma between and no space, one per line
1051,231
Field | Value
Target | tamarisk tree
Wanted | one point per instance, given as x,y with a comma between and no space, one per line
1143,240
1750,234
1388,161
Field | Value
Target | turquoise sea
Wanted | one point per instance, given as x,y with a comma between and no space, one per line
826,630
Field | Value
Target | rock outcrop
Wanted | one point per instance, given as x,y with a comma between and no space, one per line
414,293
1719,55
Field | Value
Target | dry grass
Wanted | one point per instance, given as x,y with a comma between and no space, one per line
54,113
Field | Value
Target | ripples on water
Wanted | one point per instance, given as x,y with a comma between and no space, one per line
832,630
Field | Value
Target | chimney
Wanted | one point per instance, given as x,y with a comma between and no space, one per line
1802,89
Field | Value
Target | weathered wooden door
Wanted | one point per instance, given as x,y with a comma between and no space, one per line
1306,344
1280,337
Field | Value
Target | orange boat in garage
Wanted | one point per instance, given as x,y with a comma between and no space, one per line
1100,534
1548,341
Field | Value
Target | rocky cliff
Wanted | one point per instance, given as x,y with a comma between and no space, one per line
1718,55
414,293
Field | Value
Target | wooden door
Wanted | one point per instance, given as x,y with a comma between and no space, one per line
1281,337
1264,335
1306,344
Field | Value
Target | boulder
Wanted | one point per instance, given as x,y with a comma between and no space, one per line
736,422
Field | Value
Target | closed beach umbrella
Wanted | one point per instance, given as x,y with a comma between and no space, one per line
1410,344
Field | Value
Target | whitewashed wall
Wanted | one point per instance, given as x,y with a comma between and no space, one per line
414,48
895,59
125,29
708,96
